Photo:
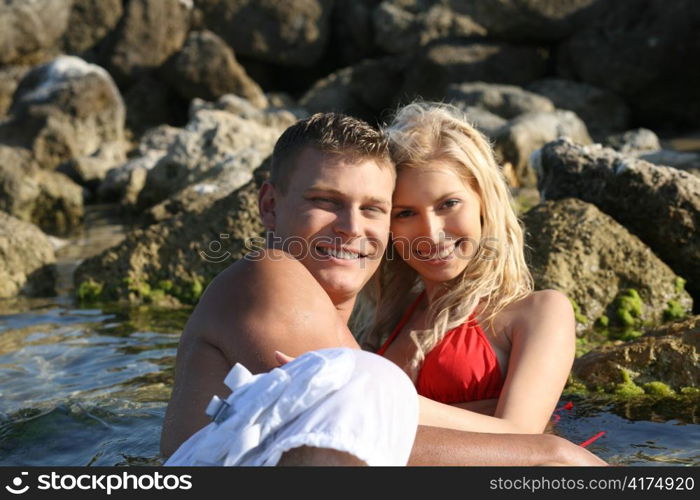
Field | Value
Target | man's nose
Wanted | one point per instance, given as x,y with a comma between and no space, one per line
349,222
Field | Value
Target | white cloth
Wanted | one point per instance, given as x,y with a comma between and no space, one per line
343,399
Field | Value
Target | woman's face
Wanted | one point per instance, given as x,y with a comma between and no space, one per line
435,222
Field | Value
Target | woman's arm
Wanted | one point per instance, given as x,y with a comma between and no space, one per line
543,346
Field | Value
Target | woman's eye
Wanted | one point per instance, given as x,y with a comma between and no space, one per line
403,214
451,203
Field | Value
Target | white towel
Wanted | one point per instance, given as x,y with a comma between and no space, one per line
343,399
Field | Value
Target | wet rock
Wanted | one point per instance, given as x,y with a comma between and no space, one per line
634,141
629,45
26,258
445,62
30,29
89,23
602,110
517,140
213,143
10,76
149,32
173,261
579,250
45,198
291,33
506,101
206,67
668,355
67,109
526,21
363,90
401,26
661,205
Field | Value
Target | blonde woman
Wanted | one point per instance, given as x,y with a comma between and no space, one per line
455,302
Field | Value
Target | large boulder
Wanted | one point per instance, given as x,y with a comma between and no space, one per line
214,143
67,109
666,355
173,261
661,205
641,140
89,23
444,62
526,20
517,140
642,49
485,121
26,259
206,67
363,90
150,31
602,110
506,101
579,250
30,29
291,33
43,197
280,116
401,26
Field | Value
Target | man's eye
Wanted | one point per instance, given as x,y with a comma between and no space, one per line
379,210
320,199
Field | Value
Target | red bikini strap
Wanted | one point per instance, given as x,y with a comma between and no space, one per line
402,323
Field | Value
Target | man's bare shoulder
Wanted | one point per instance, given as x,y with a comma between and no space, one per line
264,304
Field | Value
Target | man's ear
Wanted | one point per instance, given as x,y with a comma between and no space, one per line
267,204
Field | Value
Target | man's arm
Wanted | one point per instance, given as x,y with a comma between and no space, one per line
438,446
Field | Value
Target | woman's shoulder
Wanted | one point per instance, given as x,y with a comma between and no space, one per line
536,308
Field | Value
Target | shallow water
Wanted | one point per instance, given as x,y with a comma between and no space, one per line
90,386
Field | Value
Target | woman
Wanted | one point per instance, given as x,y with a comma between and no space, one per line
472,333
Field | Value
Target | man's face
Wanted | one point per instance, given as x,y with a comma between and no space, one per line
334,218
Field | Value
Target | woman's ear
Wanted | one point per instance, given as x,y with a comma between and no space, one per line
267,204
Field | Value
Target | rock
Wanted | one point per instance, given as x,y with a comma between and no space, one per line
30,29
485,121
26,258
89,23
690,162
506,101
352,33
213,143
124,183
276,117
67,109
363,90
401,26
173,261
528,20
291,33
584,253
602,110
660,205
629,45
151,102
149,32
444,62
206,68
670,358
517,140
639,140
10,76
45,198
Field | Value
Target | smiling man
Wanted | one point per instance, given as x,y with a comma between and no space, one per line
327,211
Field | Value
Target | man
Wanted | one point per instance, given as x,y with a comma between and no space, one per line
327,207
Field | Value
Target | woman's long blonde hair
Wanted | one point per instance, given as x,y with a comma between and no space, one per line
497,275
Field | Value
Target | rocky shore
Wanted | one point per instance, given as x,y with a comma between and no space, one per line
169,109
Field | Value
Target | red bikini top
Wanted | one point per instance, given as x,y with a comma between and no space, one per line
462,367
